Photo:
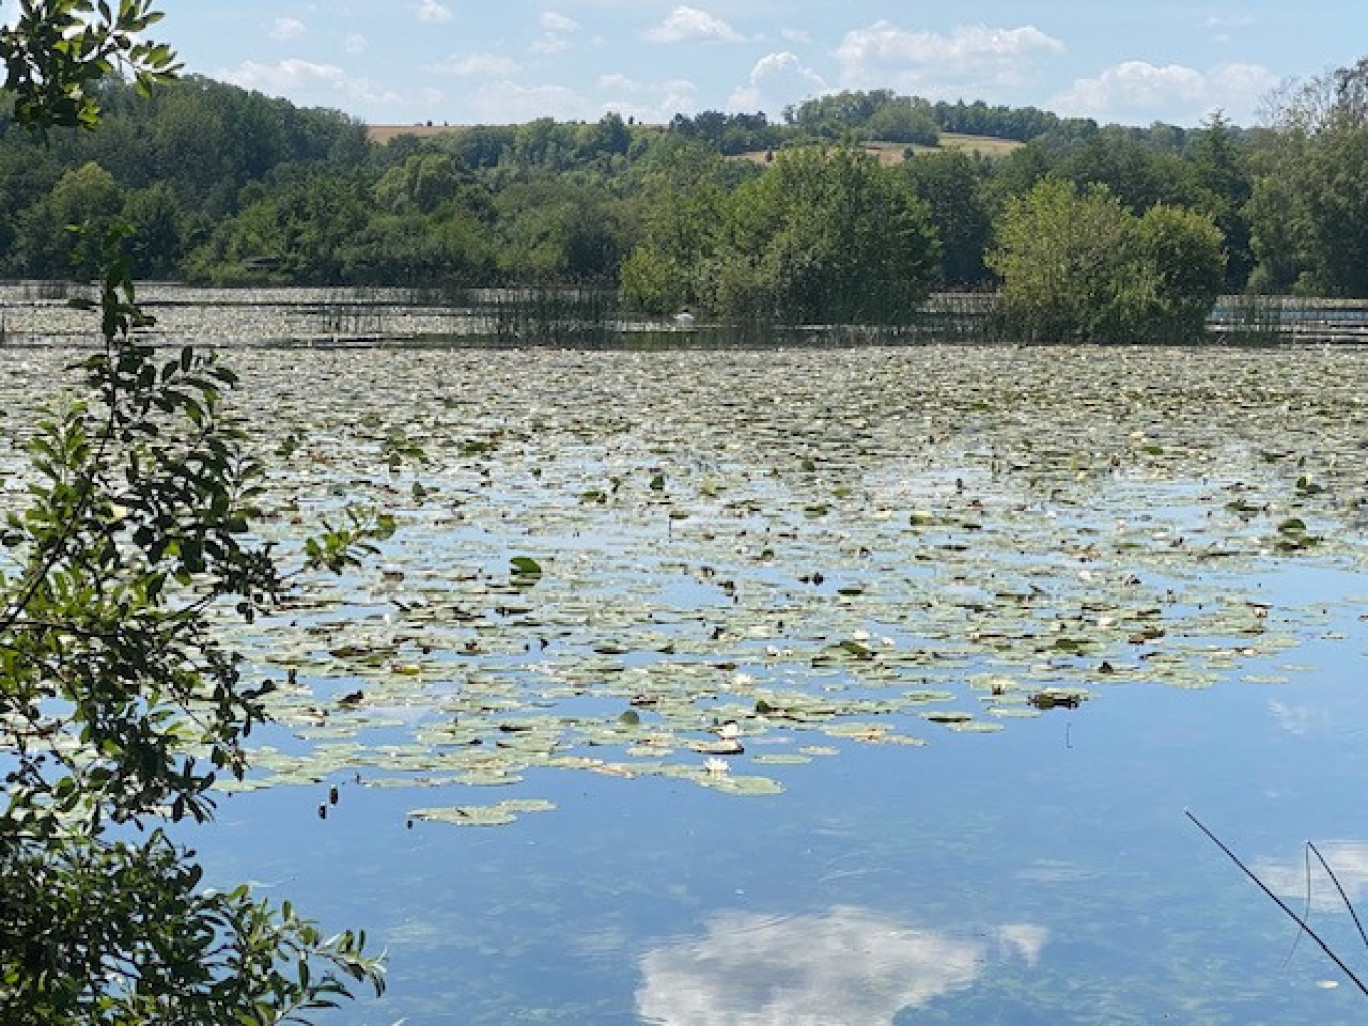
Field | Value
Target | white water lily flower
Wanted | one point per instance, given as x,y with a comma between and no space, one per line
716,767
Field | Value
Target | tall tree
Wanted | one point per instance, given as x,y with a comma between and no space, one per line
951,184
1222,172
1308,212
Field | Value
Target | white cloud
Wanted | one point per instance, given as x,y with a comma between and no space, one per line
1137,91
485,65
676,96
557,33
283,29
1229,21
970,59
552,22
432,11
354,43
301,80
648,102
506,102
777,80
689,24
547,44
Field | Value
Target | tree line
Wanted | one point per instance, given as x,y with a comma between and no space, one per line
229,187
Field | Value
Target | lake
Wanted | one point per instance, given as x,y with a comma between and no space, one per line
800,685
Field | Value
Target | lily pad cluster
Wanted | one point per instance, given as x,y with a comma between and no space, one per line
712,567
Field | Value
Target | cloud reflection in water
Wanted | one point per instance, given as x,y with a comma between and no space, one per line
846,965
1349,860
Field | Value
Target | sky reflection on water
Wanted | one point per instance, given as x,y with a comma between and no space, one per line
1171,533
846,964
1044,874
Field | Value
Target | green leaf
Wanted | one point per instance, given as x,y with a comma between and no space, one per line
525,566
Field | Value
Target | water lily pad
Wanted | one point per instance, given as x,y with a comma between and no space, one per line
948,716
466,815
743,785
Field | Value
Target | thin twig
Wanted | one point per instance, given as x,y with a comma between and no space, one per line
1280,903
1343,897
1296,937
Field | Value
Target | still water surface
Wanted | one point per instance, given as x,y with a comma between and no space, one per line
879,564
1044,874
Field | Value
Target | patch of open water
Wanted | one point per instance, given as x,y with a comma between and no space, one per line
1044,874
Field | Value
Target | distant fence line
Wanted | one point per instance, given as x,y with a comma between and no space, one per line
37,313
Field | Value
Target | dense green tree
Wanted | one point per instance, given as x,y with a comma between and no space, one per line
1333,183
159,241
1138,174
606,137
1308,213
449,248
299,233
825,235
951,184
1015,175
1222,171
670,267
1020,123
729,134
421,183
1076,265
1059,255
26,177
820,235
1279,234
833,115
1177,270
903,119
555,230
86,195
482,145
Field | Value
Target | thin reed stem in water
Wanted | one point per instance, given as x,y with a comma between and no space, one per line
1280,903
1343,897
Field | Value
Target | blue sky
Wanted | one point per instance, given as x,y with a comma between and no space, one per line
493,61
